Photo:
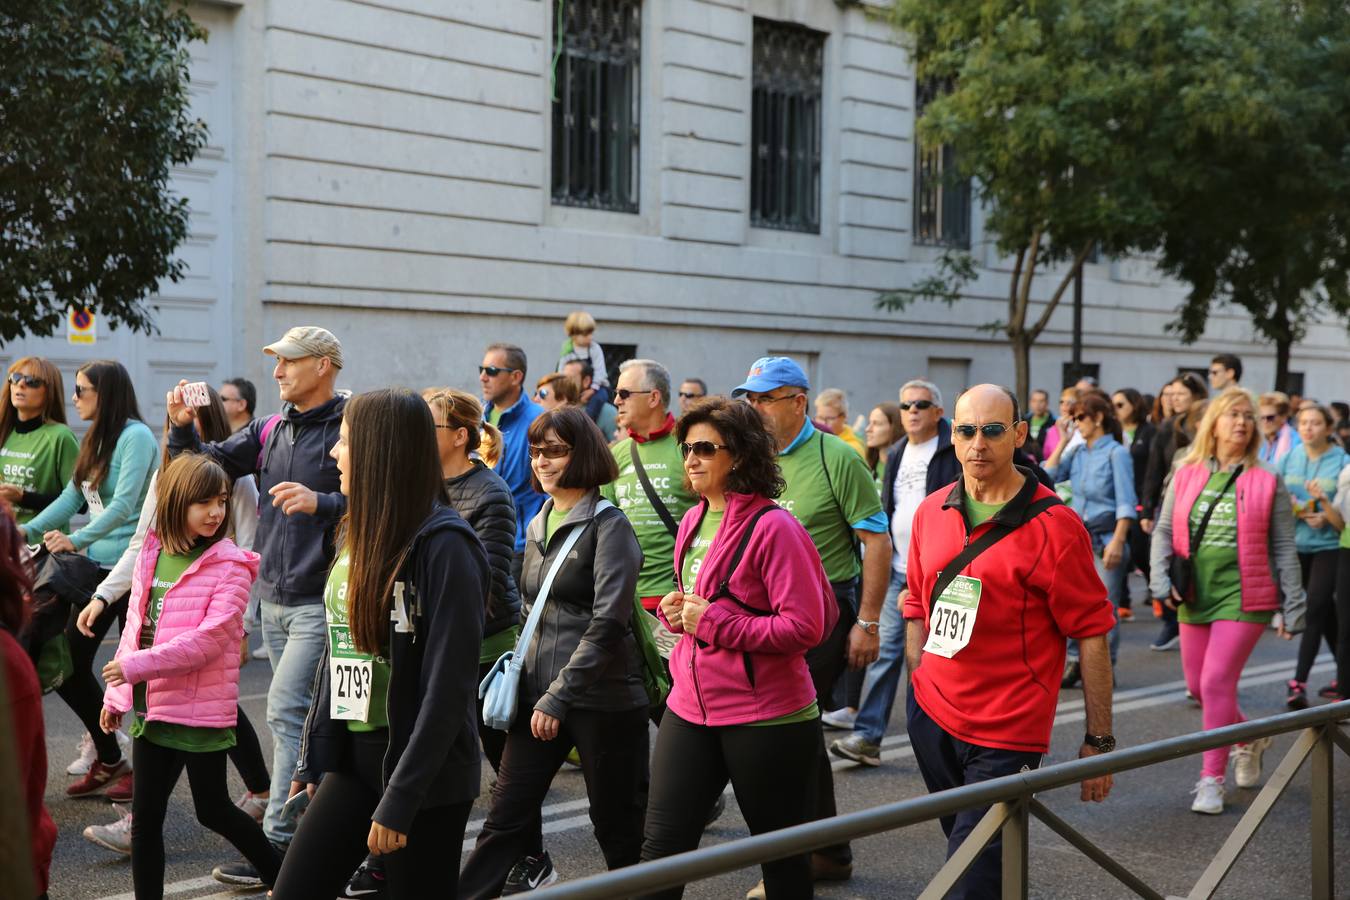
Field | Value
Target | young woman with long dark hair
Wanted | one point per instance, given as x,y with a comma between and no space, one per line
391,727
111,476
883,429
37,449
1137,434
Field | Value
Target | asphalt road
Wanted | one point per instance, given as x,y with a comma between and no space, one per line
1146,824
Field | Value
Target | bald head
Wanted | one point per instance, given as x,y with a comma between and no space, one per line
986,458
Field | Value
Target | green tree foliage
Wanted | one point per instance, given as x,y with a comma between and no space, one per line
1107,122
93,113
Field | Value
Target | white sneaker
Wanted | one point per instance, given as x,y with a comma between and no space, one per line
1208,796
260,653
86,758
116,836
1247,762
840,719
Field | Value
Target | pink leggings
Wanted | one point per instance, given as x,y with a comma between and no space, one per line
1213,656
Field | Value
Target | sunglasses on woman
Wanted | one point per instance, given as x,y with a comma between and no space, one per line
549,451
80,390
917,404
542,393
30,381
993,431
701,449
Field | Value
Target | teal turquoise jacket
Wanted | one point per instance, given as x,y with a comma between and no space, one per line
105,537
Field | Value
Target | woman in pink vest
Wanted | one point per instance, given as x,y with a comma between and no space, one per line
1247,541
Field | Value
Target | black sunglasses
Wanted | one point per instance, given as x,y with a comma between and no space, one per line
542,393
80,389
1269,418
688,396
625,393
1081,416
494,371
31,381
701,449
549,451
993,431
917,404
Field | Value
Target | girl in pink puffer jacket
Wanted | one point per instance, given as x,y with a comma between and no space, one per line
177,668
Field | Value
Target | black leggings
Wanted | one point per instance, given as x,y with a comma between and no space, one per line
331,840
157,771
692,765
247,756
82,691
613,747
1319,580
1343,620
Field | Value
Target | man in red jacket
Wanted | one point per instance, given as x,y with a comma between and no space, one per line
985,642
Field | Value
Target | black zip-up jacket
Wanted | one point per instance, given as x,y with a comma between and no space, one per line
1172,435
484,499
584,653
296,550
435,631
1140,448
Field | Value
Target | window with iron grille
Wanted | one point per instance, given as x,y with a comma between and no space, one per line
942,198
596,105
785,129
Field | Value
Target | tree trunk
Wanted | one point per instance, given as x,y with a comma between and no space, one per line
1283,345
1021,344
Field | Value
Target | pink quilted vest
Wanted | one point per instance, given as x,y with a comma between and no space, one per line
1255,495
191,673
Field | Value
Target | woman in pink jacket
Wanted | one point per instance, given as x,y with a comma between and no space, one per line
751,600
177,668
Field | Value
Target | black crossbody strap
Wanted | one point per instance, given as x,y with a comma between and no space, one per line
745,542
1199,533
652,497
981,544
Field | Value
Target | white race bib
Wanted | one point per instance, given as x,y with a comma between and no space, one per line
953,619
93,499
351,679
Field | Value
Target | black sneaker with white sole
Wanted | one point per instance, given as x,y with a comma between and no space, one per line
368,880
530,874
241,873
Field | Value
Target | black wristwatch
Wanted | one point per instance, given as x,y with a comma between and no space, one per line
1102,743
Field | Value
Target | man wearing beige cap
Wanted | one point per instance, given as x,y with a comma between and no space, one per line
289,455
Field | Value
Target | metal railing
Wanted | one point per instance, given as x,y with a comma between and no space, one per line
1012,802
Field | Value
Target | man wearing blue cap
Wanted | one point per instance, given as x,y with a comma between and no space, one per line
832,494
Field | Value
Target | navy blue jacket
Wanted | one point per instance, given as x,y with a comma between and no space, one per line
296,550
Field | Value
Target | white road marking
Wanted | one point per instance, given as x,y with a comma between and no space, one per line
897,744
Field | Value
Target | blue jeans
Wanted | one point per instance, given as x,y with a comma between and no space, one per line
883,676
1116,581
294,637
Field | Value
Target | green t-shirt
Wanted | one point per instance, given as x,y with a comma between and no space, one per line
1218,585
40,461
1345,537
805,714
341,646
698,548
494,415
827,517
554,521
979,513
169,568
665,469
497,644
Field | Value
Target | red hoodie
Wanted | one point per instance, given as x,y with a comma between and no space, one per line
24,721
1039,586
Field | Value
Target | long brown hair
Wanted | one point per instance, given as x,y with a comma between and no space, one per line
55,410
116,406
892,413
460,409
393,485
